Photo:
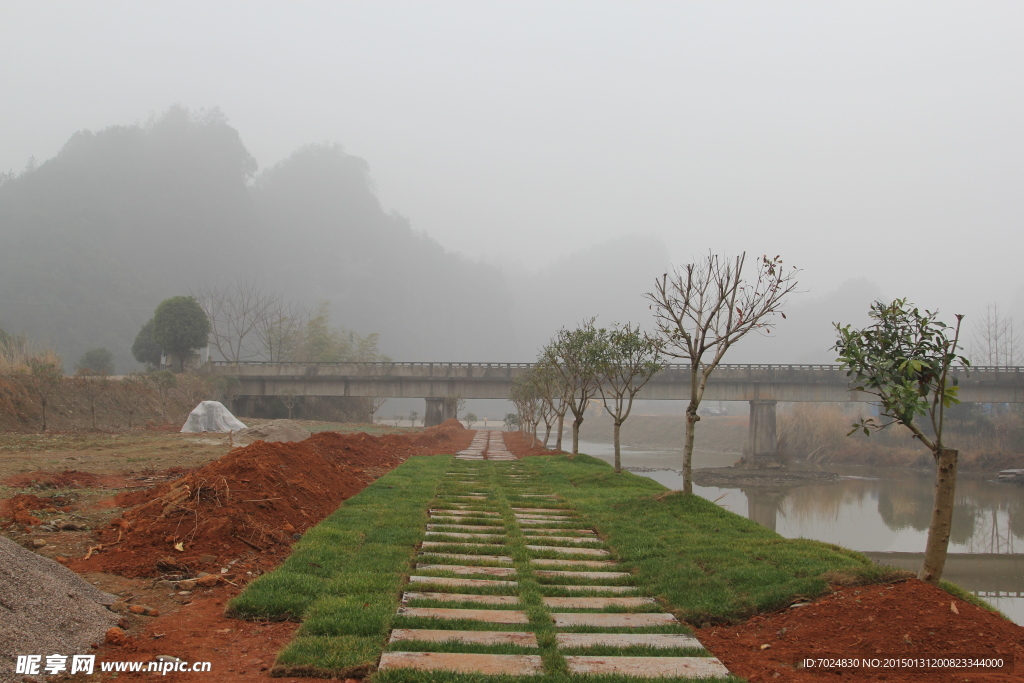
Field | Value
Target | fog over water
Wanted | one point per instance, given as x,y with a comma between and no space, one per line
585,147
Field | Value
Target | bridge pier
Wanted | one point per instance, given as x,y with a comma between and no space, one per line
435,412
762,438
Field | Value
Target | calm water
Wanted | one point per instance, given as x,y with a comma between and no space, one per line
884,513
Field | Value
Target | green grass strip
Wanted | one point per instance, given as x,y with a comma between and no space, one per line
710,565
344,578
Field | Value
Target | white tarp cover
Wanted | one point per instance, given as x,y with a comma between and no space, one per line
211,416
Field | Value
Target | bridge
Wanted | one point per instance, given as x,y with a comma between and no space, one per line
763,386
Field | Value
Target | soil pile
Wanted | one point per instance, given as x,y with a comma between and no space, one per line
46,609
260,497
19,508
905,620
276,432
519,444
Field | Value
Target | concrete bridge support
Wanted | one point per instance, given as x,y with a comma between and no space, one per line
762,437
435,412
439,410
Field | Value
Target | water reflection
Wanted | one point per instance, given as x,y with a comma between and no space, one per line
879,512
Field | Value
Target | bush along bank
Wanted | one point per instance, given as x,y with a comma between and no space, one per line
343,578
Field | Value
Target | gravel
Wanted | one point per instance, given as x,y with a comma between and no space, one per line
45,609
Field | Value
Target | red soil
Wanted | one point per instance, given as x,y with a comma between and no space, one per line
518,444
239,651
68,479
908,619
19,508
259,497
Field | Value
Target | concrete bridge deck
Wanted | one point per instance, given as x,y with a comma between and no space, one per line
811,383
761,385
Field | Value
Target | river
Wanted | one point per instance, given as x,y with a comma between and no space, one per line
881,512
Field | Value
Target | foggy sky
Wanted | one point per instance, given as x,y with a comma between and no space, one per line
881,141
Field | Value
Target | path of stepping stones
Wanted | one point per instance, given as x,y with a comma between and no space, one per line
510,580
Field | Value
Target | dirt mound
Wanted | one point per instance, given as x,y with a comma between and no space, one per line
276,432
259,497
19,508
909,619
518,444
46,608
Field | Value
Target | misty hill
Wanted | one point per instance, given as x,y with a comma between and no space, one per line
606,281
93,239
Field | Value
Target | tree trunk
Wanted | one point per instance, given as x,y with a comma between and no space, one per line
618,457
561,428
691,428
576,435
547,433
92,410
942,517
42,404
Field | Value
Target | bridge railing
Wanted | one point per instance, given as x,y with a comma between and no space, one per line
379,365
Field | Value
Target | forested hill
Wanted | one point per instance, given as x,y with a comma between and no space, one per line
93,239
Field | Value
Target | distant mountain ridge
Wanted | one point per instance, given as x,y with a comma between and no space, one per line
92,239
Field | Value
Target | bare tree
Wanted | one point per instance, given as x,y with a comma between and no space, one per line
164,382
235,310
995,340
548,385
413,415
129,395
527,402
374,403
628,361
91,386
705,308
574,355
288,398
279,330
44,379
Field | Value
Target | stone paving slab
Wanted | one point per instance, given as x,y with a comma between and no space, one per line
491,616
449,520
587,532
521,638
552,574
470,558
569,563
564,539
462,569
477,497
468,536
612,620
469,583
647,667
659,640
441,544
544,522
543,510
568,551
465,513
462,597
587,589
597,603
465,527
488,665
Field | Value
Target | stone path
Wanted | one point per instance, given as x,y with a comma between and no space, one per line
511,581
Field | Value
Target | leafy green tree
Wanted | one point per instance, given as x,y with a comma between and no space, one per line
471,419
903,359
575,355
629,358
145,349
703,308
180,326
44,380
100,361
